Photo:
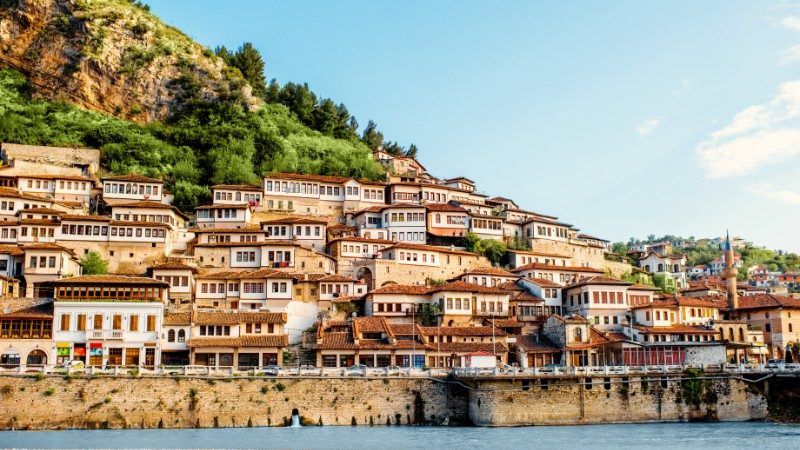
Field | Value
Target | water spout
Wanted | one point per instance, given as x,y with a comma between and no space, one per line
295,419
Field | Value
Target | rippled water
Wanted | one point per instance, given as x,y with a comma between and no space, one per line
634,436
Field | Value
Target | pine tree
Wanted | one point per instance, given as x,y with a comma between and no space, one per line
412,150
249,61
371,137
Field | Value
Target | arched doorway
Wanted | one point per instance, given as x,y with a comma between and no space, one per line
388,283
36,357
9,358
365,274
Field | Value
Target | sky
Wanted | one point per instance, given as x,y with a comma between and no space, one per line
624,118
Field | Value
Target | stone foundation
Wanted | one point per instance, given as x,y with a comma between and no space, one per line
83,402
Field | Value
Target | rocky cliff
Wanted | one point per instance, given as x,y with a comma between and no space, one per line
111,56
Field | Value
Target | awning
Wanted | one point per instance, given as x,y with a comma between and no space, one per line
63,344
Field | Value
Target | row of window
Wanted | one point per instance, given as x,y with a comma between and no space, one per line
37,231
131,188
247,287
405,217
246,256
221,213
42,261
487,224
411,236
108,292
174,280
415,256
26,329
138,232
9,206
361,248
68,185
237,197
116,322
334,288
159,218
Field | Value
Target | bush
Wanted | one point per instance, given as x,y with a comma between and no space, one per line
50,391
94,264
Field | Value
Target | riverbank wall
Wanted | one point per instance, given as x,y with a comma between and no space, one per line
56,402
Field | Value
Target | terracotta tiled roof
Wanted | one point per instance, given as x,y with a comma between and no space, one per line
504,323
402,289
252,341
674,328
496,271
173,265
78,217
463,286
11,250
147,204
237,317
26,308
238,187
461,347
588,236
461,331
336,278
335,341
362,240
39,222
642,287
536,344
265,273
224,206
45,246
40,211
13,193
110,279
543,282
303,177
132,177
371,325
444,207
177,318
221,275
543,266
761,301
295,221
429,248
138,223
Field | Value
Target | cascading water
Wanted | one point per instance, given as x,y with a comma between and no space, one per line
295,419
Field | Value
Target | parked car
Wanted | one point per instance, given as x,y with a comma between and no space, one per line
72,364
775,364
357,369
272,370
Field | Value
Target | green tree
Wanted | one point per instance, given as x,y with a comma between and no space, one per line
664,282
94,264
412,150
429,314
250,63
619,248
371,137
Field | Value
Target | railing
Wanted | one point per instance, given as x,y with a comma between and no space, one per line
105,334
400,372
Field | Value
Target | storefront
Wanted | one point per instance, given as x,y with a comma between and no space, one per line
95,353
63,352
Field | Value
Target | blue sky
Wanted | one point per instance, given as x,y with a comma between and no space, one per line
624,118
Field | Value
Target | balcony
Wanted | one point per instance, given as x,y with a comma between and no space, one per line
105,334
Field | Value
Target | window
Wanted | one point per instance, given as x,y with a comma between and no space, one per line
116,323
133,323
171,336
64,322
151,323
81,322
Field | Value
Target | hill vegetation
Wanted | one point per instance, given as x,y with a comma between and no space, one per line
213,117
703,254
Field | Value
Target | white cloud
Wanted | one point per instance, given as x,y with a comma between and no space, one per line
647,126
790,56
791,23
684,86
757,136
769,191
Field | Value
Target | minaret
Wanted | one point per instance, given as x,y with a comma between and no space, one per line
730,277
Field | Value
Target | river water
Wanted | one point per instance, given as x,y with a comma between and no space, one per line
740,435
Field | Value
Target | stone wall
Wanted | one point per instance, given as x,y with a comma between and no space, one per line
582,255
82,402
575,401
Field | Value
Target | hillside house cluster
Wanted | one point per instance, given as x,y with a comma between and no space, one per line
377,269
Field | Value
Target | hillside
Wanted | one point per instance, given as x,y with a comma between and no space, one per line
110,56
108,74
